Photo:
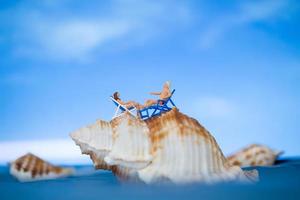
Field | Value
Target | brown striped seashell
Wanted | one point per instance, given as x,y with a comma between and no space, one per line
171,147
32,168
254,155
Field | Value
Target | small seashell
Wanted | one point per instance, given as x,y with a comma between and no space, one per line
254,155
32,168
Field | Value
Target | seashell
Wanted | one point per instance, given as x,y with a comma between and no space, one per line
96,141
131,143
125,174
32,168
184,151
254,155
172,147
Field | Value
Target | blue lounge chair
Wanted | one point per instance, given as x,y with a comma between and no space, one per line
121,109
161,106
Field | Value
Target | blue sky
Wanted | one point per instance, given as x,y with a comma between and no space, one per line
235,65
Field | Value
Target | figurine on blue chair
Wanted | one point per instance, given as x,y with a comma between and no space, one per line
164,94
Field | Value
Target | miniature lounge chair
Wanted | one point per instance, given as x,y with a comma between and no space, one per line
158,108
121,109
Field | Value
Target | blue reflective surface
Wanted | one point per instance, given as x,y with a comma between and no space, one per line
281,181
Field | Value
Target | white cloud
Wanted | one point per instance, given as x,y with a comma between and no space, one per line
76,35
63,151
75,39
247,12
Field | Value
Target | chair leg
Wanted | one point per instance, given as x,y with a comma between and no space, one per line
154,112
138,113
117,110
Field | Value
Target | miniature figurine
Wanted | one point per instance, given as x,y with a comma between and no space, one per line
128,104
163,95
150,109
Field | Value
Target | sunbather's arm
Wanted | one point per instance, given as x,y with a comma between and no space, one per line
155,93
120,102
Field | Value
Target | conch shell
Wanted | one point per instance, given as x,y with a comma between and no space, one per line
254,155
172,147
95,140
131,146
32,168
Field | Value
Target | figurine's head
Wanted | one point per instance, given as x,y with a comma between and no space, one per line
167,84
116,95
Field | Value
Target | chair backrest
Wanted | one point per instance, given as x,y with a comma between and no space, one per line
165,101
170,95
117,103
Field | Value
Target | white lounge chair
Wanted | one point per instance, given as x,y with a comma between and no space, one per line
121,109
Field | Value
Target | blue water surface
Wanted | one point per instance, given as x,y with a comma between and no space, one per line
281,181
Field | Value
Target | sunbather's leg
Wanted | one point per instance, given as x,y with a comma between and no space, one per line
150,102
139,106
130,104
